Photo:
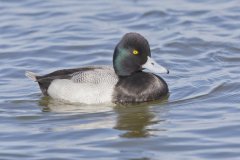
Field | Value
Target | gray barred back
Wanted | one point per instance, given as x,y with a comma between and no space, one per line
98,75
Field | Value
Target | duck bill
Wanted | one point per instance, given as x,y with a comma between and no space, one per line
154,67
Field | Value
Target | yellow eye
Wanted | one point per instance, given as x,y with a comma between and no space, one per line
135,52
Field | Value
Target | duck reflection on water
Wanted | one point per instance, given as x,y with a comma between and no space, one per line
133,121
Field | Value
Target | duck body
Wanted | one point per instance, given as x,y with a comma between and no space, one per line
125,82
140,87
89,85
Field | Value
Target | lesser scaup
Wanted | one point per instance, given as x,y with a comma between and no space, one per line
124,83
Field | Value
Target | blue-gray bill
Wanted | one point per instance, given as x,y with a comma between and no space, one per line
154,67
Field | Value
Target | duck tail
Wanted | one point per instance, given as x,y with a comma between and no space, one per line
31,75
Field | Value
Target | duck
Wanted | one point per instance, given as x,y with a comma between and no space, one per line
125,82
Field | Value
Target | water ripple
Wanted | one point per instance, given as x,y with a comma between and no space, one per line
198,41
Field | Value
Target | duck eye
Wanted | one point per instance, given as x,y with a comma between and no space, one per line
135,52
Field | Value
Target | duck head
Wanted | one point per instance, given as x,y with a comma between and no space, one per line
132,54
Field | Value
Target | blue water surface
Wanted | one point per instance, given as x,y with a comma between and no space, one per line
198,41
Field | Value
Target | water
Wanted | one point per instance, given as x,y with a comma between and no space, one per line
198,41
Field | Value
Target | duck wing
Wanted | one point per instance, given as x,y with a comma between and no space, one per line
93,74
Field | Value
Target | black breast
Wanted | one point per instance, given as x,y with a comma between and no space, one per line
139,87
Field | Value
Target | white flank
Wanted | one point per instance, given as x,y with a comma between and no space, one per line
88,93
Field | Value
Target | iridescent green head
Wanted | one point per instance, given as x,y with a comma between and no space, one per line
132,54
